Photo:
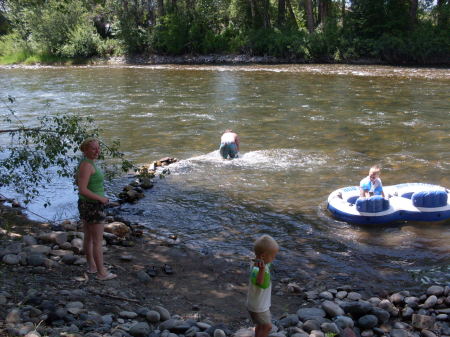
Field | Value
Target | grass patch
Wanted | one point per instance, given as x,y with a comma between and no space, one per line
29,58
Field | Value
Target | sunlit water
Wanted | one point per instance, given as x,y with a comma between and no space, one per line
305,131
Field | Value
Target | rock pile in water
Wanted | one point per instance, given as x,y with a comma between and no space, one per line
144,180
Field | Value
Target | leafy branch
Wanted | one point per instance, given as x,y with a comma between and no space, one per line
36,155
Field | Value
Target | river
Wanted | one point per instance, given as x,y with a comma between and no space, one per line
305,131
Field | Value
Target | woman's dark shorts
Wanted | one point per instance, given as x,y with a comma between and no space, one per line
91,212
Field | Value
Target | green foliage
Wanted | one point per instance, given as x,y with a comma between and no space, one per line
289,44
62,30
324,42
37,154
171,35
83,41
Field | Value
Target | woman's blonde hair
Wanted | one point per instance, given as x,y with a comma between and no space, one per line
264,244
84,145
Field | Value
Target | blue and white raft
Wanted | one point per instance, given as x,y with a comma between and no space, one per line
403,202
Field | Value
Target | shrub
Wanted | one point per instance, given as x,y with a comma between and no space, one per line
83,42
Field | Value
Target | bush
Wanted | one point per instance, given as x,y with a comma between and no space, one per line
171,35
13,49
83,42
288,44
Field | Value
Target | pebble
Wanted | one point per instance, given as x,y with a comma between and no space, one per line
11,259
332,309
353,296
153,316
163,312
128,314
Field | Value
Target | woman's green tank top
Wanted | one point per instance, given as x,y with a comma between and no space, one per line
95,184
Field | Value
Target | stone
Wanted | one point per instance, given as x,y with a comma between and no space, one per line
354,296
367,322
60,252
192,331
203,325
66,246
33,334
422,322
153,316
168,324
435,290
326,295
74,307
36,259
13,316
219,333
382,315
29,240
117,228
14,248
163,312
311,295
69,259
399,333
427,333
367,333
140,329
412,301
389,307
341,294
344,322
38,249
311,325
442,317
143,276
332,309
316,333
77,245
430,302
11,259
407,312
289,320
128,314
329,328
397,298
305,314
357,308
53,237
126,257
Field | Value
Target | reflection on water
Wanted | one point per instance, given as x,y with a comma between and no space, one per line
306,131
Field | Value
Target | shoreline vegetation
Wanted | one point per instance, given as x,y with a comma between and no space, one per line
393,32
191,59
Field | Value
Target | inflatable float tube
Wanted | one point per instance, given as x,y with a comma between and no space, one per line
403,202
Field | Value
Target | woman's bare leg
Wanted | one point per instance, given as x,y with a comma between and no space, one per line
97,249
88,247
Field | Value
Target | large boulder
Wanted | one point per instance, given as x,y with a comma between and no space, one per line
117,228
53,237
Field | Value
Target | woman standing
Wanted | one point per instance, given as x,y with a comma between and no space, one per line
91,204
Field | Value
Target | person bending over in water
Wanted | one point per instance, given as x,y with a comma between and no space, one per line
229,144
371,185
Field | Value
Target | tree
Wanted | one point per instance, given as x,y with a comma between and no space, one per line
309,15
38,153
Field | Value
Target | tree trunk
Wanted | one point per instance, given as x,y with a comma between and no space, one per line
150,13
292,19
413,5
174,6
343,12
309,15
324,9
281,13
161,10
266,16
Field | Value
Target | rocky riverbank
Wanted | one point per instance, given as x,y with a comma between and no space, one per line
165,289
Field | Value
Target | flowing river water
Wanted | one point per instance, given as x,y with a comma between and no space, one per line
305,130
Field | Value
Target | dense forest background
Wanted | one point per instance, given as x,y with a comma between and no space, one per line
390,31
